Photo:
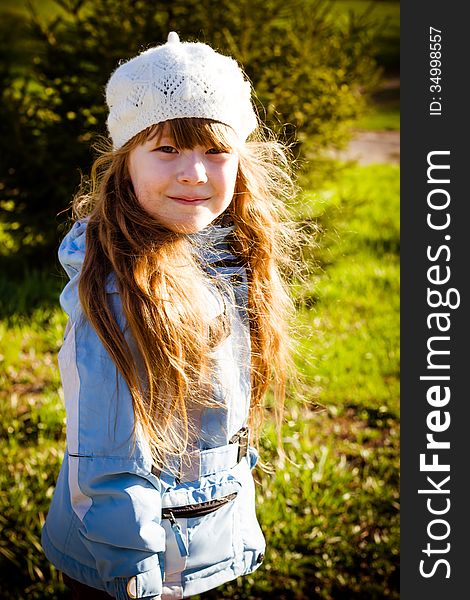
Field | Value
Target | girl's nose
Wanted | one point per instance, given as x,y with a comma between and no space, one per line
192,170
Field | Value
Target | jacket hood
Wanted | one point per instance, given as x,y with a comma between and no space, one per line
71,256
72,249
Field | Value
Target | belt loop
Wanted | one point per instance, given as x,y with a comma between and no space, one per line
190,467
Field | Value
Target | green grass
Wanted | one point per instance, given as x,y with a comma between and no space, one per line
351,306
383,112
31,443
330,508
380,119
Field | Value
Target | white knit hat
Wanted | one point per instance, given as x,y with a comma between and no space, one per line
177,80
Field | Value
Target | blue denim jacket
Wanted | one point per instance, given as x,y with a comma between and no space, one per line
114,522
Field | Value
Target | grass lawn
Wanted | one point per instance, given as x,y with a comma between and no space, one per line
380,118
330,508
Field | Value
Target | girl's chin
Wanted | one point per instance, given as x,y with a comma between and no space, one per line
189,226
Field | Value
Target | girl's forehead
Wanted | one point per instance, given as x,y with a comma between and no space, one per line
192,132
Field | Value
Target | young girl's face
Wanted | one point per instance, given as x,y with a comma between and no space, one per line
184,189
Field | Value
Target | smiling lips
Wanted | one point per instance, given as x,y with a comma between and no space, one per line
188,200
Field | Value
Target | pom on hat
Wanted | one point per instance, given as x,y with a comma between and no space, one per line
177,80
173,37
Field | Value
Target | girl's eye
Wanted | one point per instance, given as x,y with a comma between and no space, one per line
166,149
217,151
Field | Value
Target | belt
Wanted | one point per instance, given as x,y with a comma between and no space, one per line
194,465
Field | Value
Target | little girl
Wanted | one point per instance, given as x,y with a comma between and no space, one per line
177,328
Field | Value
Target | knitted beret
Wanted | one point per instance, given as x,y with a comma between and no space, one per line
174,80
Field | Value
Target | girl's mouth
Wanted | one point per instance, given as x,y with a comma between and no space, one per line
188,200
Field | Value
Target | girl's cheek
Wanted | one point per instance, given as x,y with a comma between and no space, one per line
230,170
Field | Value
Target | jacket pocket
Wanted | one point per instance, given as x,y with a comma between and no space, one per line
201,532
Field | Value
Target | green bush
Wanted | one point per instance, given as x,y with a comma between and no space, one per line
311,72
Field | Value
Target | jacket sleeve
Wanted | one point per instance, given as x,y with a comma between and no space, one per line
112,490
120,524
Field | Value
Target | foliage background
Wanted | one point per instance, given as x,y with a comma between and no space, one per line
330,511
310,70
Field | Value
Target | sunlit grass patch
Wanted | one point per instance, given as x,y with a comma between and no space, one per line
380,119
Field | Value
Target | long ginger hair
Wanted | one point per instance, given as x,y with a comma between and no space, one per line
163,288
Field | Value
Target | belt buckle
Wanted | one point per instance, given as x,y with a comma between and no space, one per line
241,438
